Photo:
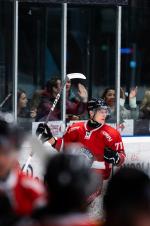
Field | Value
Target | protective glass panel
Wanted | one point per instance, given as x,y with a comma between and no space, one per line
135,80
91,49
39,60
6,77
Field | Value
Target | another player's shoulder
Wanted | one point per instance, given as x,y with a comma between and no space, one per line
30,183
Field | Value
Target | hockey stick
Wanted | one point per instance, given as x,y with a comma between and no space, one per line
5,100
68,77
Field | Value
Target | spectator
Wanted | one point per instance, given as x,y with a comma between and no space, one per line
69,181
145,106
110,97
22,108
127,199
75,106
22,104
24,115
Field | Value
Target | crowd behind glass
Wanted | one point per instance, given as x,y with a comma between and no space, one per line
91,44
37,107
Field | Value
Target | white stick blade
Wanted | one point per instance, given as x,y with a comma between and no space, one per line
76,75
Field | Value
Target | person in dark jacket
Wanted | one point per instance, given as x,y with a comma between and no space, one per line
75,106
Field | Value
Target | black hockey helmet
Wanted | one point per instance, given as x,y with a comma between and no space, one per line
129,191
11,135
69,181
96,103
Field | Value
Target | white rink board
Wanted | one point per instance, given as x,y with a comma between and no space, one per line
57,127
137,151
35,168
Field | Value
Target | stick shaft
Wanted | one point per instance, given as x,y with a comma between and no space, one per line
27,163
56,100
46,121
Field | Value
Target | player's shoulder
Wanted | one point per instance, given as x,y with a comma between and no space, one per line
110,130
76,126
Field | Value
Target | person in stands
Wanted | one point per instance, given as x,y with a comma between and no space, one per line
109,95
75,105
22,108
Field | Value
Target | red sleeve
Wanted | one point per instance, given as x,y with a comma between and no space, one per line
29,194
113,140
71,135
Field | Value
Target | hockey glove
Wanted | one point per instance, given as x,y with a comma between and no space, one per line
111,156
43,132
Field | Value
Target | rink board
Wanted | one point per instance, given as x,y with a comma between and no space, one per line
137,152
137,155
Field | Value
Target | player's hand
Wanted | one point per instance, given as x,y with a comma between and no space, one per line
43,132
111,156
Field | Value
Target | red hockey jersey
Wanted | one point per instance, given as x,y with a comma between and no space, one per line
95,140
24,193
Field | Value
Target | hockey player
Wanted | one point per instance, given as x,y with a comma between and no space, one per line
24,193
127,198
69,180
101,142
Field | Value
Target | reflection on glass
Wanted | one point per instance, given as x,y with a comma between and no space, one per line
91,35
6,32
91,45
39,55
135,59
